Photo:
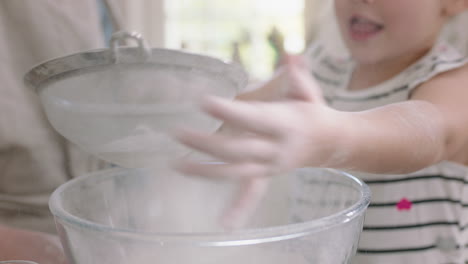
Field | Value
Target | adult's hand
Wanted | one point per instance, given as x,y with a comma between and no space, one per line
17,244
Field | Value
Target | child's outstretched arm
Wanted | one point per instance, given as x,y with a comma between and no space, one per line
431,127
303,131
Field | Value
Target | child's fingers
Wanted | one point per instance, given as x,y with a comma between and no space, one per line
303,86
235,171
296,60
252,117
245,202
228,148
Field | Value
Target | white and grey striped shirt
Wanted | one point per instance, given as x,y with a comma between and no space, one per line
416,218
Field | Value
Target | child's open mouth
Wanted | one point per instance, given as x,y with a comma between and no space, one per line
362,29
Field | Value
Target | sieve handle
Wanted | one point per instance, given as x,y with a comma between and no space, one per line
144,51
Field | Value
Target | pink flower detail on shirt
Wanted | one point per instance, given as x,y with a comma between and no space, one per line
404,205
443,48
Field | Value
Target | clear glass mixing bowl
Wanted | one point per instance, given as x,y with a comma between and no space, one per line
134,216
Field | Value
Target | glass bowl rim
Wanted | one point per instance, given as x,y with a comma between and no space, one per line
213,239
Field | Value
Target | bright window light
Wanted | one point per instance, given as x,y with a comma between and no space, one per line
247,31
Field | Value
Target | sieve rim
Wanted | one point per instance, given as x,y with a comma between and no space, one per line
45,73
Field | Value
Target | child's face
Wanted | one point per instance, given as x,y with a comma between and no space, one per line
380,30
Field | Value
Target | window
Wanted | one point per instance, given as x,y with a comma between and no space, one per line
251,32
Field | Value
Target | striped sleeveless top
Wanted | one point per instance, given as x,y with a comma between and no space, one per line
417,218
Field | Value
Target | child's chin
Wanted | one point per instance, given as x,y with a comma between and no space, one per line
366,56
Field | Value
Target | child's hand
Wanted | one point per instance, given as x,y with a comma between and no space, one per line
272,138
275,128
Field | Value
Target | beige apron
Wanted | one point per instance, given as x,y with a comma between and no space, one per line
34,160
